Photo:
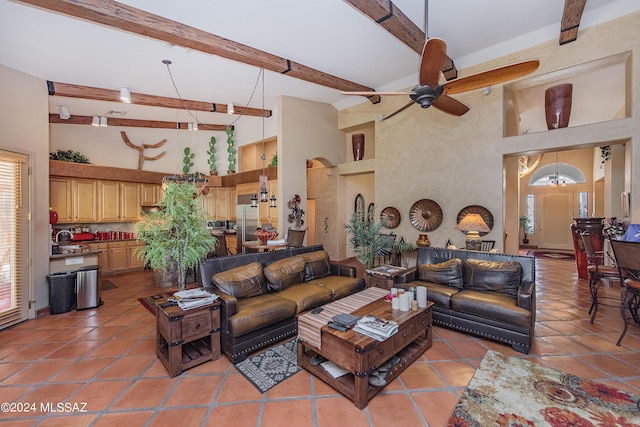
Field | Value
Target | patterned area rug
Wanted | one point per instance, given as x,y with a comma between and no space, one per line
271,366
508,391
548,254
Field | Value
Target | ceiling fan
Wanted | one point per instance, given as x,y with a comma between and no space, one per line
429,92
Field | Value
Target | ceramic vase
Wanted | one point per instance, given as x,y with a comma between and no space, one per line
557,105
357,144
594,226
423,241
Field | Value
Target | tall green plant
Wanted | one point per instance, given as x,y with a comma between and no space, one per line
187,160
212,154
231,149
177,233
367,241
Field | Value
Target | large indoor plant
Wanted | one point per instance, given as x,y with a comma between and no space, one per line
176,237
367,242
525,225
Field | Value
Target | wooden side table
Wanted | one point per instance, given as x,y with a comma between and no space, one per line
384,276
186,338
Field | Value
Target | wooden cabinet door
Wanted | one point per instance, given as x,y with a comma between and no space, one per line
84,200
232,204
222,203
135,263
108,201
103,256
60,198
129,201
118,256
209,204
149,194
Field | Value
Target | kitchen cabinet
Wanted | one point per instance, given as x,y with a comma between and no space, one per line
209,204
60,198
129,201
232,204
103,256
84,200
108,201
133,248
118,257
222,203
150,194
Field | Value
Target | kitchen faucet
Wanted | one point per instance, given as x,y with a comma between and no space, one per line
63,231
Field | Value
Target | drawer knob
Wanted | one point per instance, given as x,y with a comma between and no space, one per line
197,325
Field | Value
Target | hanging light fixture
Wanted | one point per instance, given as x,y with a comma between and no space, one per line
254,200
230,109
95,121
264,193
103,121
64,112
125,95
556,181
272,200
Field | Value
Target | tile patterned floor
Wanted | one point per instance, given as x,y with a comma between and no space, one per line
105,358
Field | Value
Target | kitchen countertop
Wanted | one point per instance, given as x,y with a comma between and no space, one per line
60,256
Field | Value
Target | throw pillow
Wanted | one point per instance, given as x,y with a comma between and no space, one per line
493,276
317,265
242,282
284,273
444,273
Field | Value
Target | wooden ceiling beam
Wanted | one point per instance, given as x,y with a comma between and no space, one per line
391,18
571,17
137,21
117,121
96,93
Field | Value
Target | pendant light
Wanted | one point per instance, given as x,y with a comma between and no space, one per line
264,193
555,181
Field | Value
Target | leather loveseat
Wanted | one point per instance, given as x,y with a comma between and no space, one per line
262,293
487,294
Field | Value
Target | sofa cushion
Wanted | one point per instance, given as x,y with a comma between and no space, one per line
317,265
306,296
439,294
494,306
492,276
340,286
260,311
284,273
445,273
241,282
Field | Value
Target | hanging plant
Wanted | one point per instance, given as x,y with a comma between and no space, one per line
187,163
231,150
68,156
212,156
605,153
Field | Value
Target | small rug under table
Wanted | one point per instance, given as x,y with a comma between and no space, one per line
510,391
270,367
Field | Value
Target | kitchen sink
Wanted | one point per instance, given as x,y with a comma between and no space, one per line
72,249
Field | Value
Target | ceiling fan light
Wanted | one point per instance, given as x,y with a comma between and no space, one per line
95,121
230,109
125,95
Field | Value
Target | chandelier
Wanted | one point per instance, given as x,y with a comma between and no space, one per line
556,181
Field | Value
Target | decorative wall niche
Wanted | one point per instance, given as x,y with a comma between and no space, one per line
601,92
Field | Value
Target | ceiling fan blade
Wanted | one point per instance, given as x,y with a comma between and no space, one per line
434,54
449,105
379,93
491,77
399,110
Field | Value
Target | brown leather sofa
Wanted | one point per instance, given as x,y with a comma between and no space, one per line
487,294
262,293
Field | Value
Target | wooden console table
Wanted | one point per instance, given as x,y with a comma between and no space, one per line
186,338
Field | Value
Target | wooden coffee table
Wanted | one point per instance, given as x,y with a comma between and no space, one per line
361,355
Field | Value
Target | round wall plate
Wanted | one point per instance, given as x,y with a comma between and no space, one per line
425,215
390,217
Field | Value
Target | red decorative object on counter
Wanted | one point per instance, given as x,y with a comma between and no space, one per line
264,235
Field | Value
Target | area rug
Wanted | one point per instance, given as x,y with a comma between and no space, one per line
149,302
271,366
106,285
549,254
509,391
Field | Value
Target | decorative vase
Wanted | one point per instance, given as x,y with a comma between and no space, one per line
213,173
423,241
264,235
357,144
594,226
557,105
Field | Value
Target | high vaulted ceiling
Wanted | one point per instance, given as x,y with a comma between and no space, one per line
331,36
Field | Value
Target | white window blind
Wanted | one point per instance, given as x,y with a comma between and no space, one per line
11,165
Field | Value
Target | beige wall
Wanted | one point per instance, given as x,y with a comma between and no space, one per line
459,161
24,118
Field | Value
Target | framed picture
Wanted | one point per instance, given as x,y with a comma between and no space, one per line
624,198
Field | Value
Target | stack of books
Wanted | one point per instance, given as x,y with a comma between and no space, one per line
193,298
375,327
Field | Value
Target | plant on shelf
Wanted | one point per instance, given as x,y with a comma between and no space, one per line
231,150
274,161
525,225
368,243
68,156
176,237
187,160
212,156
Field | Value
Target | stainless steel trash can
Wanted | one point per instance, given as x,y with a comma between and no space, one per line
87,287
62,291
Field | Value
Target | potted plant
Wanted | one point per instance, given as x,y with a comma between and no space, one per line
231,150
368,243
525,225
187,160
176,237
212,156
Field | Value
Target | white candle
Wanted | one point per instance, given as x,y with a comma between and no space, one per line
421,296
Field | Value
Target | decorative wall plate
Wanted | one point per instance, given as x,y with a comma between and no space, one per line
371,212
477,209
359,207
390,217
425,215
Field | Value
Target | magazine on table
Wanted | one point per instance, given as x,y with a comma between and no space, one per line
376,327
193,298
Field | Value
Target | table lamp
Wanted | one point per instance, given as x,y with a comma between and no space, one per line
473,224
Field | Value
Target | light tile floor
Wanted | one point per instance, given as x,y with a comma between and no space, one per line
105,358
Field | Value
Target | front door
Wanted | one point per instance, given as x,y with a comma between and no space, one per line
554,227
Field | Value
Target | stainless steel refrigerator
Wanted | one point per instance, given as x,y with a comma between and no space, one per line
247,221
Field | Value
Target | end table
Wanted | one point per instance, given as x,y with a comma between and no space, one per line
384,276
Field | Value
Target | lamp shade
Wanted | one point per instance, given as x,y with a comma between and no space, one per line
473,224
